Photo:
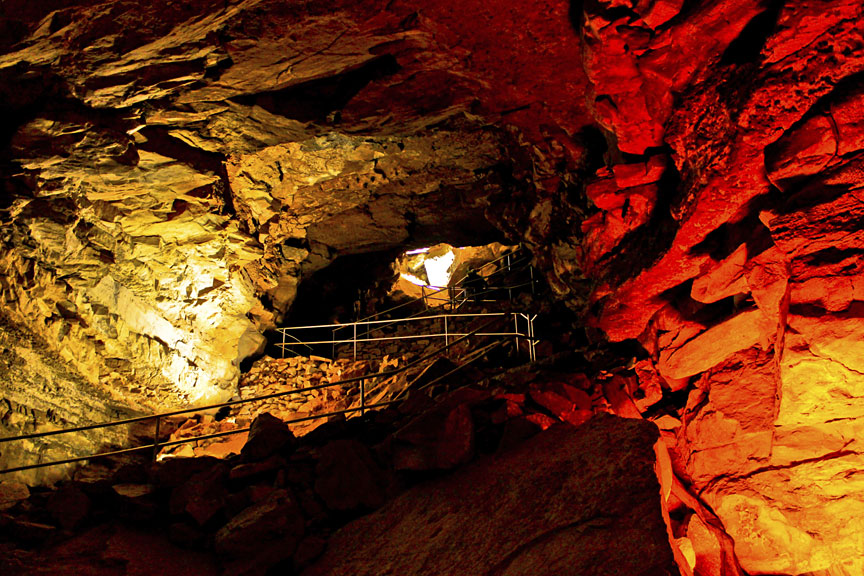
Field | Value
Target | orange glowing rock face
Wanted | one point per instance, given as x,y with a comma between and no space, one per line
748,296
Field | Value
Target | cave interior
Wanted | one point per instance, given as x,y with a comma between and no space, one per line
681,182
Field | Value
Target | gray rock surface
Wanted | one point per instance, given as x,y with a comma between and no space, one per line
569,501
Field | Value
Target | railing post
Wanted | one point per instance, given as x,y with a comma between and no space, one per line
446,335
283,342
516,332
355,341
156,438
532,350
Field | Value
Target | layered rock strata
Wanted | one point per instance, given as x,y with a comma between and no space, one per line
40,394
687,176
169,186
725,238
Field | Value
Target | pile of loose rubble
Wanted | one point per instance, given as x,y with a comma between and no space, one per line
307,375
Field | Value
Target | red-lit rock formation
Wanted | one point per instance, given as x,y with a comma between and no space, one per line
743,282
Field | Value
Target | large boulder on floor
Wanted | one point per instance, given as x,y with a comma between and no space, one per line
348,477
441,438
109,550
568,501
262,535
267,435
11,493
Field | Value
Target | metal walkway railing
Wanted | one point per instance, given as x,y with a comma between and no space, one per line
456,297
157,444
360,331
458,292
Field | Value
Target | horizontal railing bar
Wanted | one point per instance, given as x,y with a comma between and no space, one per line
427,297
183,440
411,319
471,358
406,337
78,459
474,355
518,259
293,421
241,401
420,315
81,428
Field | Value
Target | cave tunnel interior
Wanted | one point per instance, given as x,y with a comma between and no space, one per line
178,181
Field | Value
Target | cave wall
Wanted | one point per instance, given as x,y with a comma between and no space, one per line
686,174
40,393
172,174
724,234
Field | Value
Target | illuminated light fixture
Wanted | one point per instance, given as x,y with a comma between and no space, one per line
438,269
417,251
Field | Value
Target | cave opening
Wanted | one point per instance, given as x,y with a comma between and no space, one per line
440,278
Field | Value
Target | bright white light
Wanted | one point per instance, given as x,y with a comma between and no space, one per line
417,251
438,269
413,279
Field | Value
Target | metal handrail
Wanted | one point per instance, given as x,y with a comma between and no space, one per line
355,339
420,314
286,335
472,356
158,417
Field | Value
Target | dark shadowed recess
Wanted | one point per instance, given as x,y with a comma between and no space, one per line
642,247
745,49
160,141
315,100
721,242
331,292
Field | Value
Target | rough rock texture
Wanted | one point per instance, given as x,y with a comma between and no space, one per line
172,174
111,551
569,501
744,288
39,394
271,508
687,176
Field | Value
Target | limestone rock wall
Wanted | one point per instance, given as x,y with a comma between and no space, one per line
40,394
723,233
687,176
172,175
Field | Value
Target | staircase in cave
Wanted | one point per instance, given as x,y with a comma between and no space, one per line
442,340
480,323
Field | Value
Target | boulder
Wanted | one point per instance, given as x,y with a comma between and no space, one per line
203,495
135,501
267,436
348,478
262,535
440,439
568,403
173,472
568,501
11,493
68,506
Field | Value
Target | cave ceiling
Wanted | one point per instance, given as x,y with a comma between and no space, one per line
686,174
172,172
